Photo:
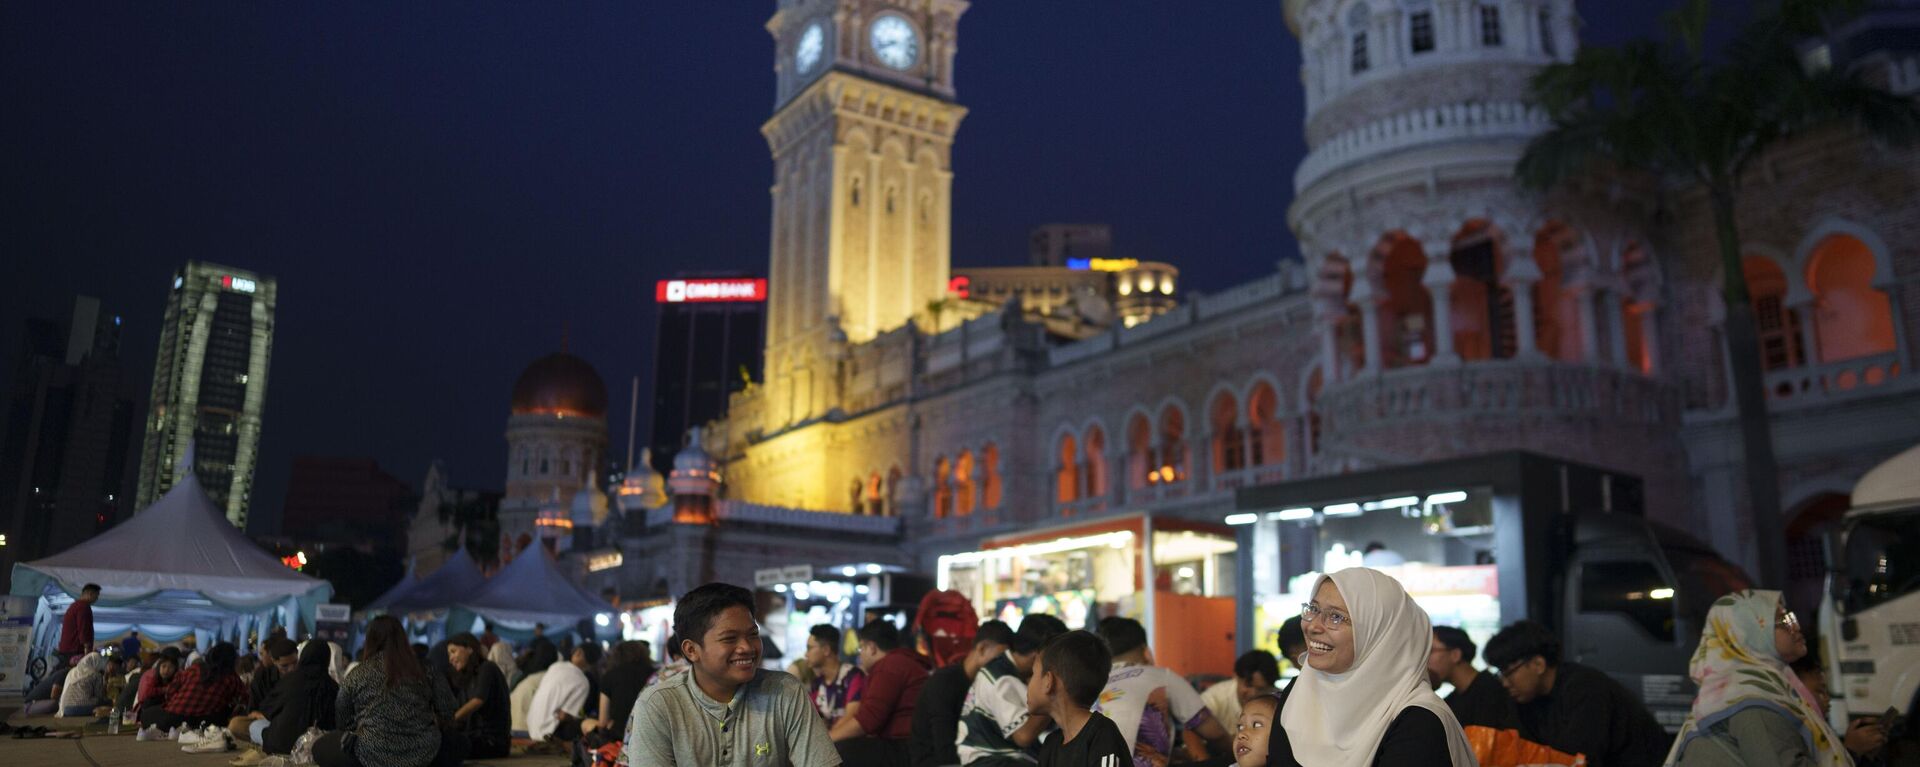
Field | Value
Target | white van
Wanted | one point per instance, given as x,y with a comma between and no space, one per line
1870,614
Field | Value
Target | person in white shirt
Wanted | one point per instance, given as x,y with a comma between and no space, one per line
1146,701
556,708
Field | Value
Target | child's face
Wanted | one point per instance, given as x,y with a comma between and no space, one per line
1252,732
1038,687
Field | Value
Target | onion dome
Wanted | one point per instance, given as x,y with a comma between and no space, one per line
560,384
694,472
643,488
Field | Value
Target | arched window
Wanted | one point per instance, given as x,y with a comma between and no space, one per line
1139,450
1636,315
876,500
1777,325
963,485
1556,312
990,476
1407,316
854,197
546,461
1358,18
1852,318
1173,447
893,491
942,488
1266,436
1482,309
1228,444
1095,450
856,503
1066,479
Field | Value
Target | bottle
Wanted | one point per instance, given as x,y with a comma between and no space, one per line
113,721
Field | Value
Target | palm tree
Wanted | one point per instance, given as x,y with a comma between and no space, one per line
1671,110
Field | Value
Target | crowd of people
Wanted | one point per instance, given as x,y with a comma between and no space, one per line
1368,670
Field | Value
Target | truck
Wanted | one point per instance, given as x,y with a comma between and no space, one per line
1869,623
1484,541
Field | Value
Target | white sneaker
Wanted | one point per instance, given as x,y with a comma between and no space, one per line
150,733
172,733
188,738
207,745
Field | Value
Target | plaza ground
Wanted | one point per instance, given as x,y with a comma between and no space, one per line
95,748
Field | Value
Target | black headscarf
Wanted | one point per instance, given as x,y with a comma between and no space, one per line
303,698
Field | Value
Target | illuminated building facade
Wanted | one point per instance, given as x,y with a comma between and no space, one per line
210,384
556,444
707,344
1073,283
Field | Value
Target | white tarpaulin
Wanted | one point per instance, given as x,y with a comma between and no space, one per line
176,567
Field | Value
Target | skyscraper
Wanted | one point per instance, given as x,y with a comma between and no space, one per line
210,384
707,346
70,431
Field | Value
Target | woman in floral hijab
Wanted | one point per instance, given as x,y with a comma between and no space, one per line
1752,709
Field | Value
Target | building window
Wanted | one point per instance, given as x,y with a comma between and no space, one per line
1852,318
963,485
990,476
1360,62
1229,442
1777,325
1547,43
1420,31
1067,477
942,489
1490,26
1095,464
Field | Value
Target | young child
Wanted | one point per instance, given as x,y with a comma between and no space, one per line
1067,679
1255,730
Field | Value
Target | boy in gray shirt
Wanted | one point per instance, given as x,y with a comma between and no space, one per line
727,711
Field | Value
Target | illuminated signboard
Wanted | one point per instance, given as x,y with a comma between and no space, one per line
705,291
241,284
1102,264
960,286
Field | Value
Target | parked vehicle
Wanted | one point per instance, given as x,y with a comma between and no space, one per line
1870,614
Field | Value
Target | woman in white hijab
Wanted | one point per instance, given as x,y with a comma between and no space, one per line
1363,698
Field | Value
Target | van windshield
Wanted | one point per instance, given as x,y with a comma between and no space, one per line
1883,558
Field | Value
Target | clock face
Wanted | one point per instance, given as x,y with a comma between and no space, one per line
894,41
813,42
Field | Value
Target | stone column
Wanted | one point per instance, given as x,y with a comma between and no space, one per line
1522,273
1583,294
1438,280
1804,308
1364,296
1616,327
1650,335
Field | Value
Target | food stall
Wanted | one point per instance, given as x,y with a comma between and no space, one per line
1175,576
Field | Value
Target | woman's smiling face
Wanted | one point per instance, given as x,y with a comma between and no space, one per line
1330,633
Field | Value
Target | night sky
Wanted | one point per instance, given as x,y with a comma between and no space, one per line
444,189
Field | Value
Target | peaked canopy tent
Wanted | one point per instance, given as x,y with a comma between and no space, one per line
530,590
176,568
455,580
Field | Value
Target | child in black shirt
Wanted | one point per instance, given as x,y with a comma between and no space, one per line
1067,679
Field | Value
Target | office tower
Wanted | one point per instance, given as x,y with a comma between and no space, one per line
707,345
210,384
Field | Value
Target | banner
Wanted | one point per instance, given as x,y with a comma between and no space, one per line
16,647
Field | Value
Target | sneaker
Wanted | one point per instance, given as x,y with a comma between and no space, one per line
150,733
252,758
207,745
186,738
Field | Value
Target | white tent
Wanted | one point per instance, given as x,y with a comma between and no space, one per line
439,590
530,589
176,567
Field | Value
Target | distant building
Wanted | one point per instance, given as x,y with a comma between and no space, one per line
1057,244
444,513
210,384
707,345
67,445
1095,291
345,500
556,442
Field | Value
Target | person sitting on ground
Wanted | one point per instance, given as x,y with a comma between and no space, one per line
501,656
1477,698
936,715
1752,709
727,707
130,691
1572,707
877,733
130,646
43,698
392,711
304,697
1254,673
245,667
480,692
1133,681
837,685
996,728
561,701
1067,681
283,656
541,655
86,687
1363,698
1253,731
155,682
620,686
205,692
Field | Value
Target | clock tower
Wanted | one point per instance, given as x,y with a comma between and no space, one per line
862,142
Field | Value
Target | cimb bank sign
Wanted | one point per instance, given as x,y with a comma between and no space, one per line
706,291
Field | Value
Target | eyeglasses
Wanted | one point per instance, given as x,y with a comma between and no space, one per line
1309,612
1514,667
1790,620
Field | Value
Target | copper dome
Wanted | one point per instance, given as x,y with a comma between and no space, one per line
560,384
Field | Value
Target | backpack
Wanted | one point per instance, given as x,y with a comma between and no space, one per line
948,622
